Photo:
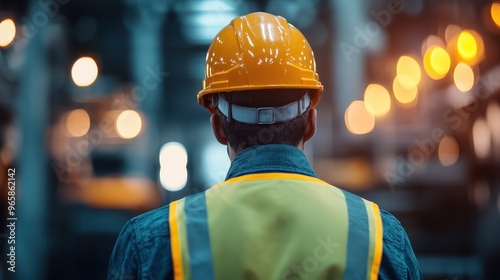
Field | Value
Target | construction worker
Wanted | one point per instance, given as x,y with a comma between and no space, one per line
272,218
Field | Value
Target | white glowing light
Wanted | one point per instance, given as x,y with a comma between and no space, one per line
173,153
481,137
128,124
7,32
173,172
173,179
84,71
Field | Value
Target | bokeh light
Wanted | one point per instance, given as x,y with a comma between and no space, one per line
493,117
173,152
408,72
481,193
7,32
84,71
448,151
377,100
404,95
463,77
357,119
128,124
432,41
173,179
77,122
481,138
173,161
214,163
436,62
479,48
466,45
495,13
451,32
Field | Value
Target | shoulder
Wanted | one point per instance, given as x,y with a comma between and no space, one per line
393,230
151,232
398,259
143,243
150,224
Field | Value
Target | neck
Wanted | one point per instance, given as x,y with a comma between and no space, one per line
232,153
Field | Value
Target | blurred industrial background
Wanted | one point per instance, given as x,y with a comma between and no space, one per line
99,118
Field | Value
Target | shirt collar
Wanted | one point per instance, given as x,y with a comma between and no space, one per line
270,158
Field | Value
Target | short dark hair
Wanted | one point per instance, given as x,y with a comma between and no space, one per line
241,135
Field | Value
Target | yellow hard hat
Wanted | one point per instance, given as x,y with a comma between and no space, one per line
259,51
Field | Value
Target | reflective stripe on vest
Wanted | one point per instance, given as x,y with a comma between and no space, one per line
275,226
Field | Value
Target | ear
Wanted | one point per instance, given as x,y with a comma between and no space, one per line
311,125
217,129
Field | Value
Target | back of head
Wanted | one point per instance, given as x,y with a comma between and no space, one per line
260,74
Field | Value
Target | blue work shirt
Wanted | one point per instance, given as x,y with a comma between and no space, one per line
142,250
